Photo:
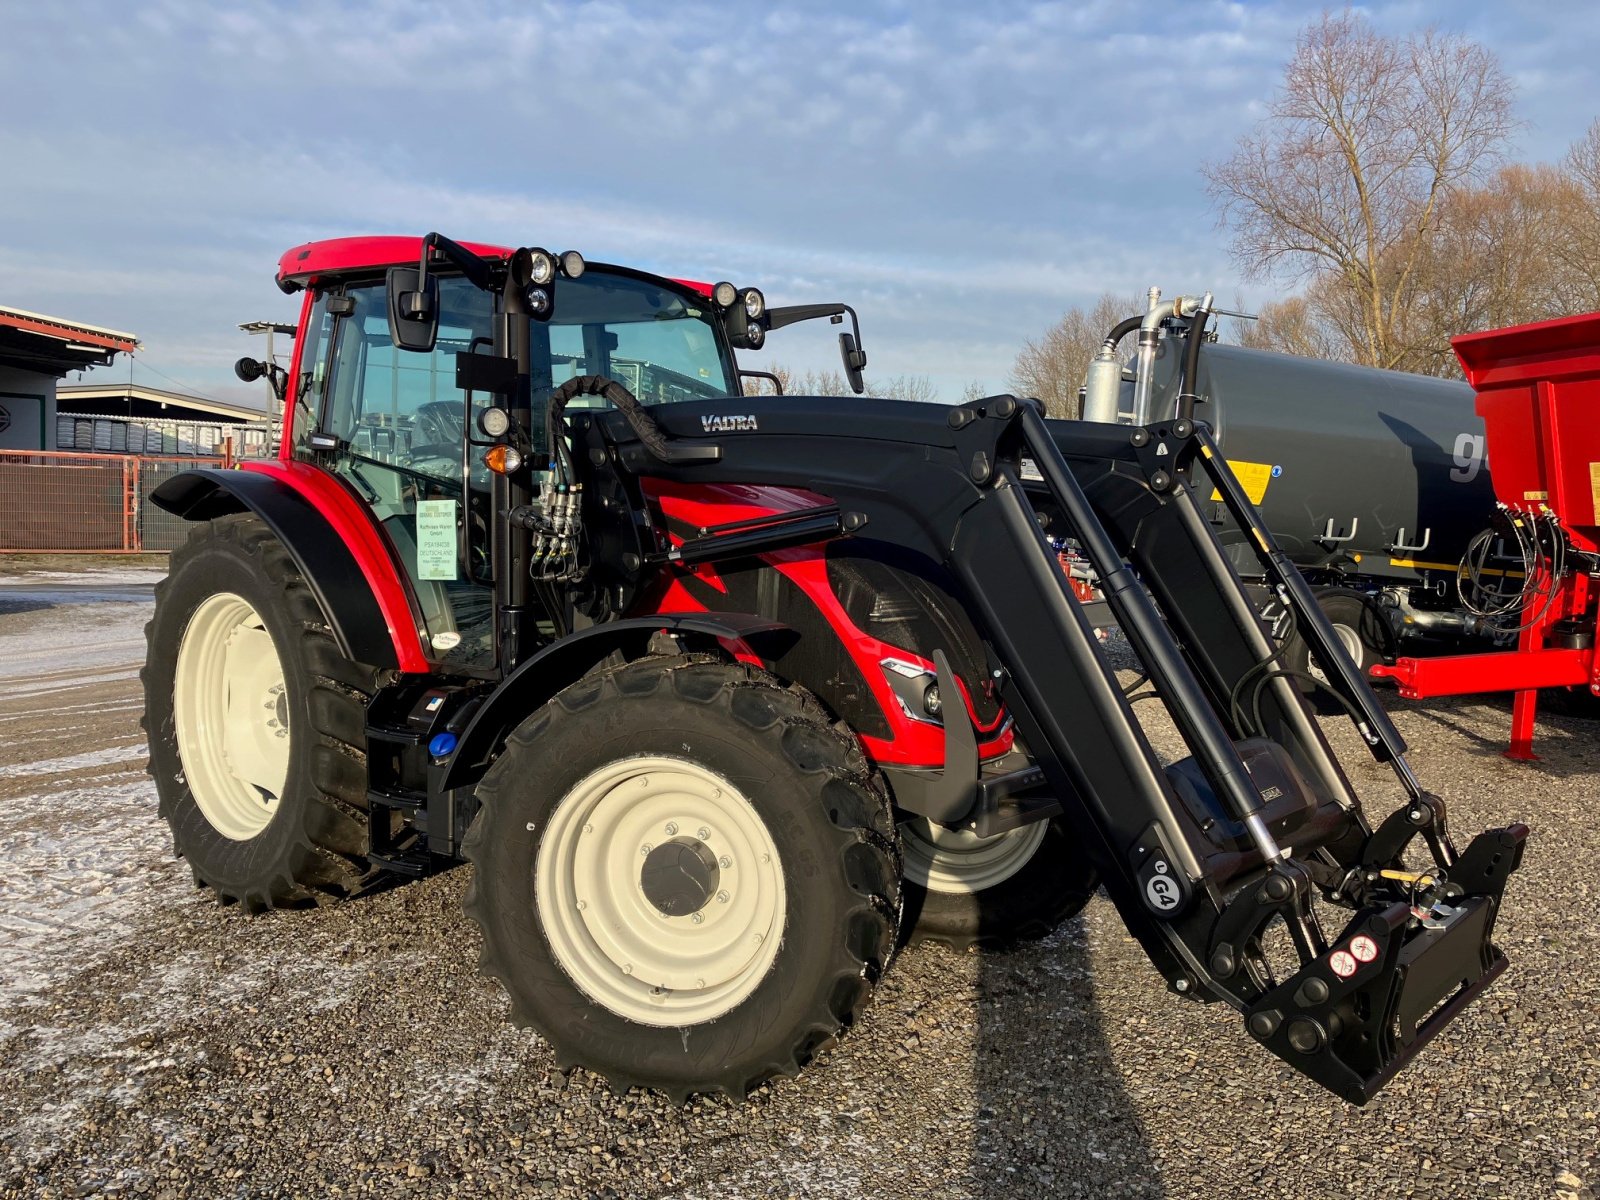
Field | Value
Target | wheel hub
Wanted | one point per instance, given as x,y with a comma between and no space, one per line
956,861
231,716
680,877
660,891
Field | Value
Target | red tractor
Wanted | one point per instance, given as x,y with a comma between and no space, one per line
725,696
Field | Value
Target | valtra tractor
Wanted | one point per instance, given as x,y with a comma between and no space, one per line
723,696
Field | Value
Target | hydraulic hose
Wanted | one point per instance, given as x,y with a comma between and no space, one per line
1121,330
641,422
1190,378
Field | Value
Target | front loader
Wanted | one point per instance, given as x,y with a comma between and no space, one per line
715,691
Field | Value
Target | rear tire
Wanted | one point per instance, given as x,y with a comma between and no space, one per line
255,721
990,893
1360,628
684,878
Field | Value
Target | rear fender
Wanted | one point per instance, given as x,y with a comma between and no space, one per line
332,540
565,662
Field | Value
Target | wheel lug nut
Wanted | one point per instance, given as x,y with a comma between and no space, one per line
722,897
644,781
702,833
672,828
716,793
700,983
766,858
586,828
698,918
582,904
645,849
725,862
627,968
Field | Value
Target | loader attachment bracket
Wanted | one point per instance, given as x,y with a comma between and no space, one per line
1351,1020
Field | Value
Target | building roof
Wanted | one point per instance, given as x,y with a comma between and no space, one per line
31,341
133,399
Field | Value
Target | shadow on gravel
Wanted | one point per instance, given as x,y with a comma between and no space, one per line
1053,1118
9,606
1563,739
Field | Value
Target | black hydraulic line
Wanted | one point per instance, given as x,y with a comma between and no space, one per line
1191,365
1122,329
1379,732
1143,626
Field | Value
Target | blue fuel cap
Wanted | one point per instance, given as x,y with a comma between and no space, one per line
442,745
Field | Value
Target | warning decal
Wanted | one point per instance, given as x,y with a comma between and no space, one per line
1253,477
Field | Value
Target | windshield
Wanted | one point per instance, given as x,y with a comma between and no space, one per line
662,346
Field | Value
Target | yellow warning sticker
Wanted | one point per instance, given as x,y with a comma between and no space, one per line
1253,478
1594,487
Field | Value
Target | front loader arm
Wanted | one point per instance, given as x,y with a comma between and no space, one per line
1260,828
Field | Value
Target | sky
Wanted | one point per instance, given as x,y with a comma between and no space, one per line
960,173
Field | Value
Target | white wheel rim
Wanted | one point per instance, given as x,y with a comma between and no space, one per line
605,931
231,716
958,861
1350,640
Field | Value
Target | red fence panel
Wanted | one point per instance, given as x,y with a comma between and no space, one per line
66,503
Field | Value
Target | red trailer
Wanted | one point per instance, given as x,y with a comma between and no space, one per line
1538,392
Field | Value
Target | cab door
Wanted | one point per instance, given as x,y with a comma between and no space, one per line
393,427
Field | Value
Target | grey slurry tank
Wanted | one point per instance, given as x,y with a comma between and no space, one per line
1357,471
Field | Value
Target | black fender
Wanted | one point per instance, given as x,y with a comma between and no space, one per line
327,563
566,661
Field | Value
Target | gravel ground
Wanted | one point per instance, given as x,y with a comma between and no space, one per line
154,1044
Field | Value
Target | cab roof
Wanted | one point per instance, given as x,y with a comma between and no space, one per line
337,256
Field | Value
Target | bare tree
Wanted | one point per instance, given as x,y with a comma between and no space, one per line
1343,182
1580,230
1292,326
1505,254
1052,367
833,383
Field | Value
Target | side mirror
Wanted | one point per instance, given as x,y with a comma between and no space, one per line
855,361
413,309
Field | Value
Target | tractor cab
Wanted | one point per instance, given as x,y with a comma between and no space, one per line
401,424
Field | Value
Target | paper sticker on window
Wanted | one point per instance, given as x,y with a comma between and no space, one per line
1253,478
436,539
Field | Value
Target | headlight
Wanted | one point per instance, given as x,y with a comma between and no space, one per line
494,421
572,264
541,267
538,301
725,295
754,335
755,304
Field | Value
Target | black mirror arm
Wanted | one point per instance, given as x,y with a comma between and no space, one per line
792,314
474,268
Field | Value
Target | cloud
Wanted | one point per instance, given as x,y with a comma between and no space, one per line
960,174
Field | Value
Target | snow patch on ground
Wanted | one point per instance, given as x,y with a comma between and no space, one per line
78,868
38,651
77,762
111,577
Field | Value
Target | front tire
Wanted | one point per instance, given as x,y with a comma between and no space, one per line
684,875
990,893
256,722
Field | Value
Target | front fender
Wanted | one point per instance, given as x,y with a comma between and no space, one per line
566,661
342,556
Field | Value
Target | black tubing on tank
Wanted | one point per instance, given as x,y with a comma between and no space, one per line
1191,365
1122,329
